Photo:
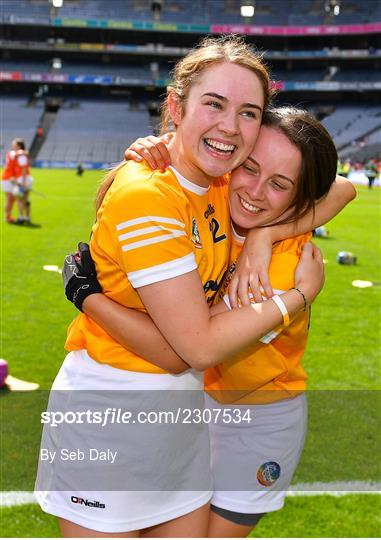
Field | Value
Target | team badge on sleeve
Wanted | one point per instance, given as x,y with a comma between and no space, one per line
268,473
196,239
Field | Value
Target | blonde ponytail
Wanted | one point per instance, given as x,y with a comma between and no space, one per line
106,184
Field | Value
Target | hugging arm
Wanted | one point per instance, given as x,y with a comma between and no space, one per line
182,316
136,331
178,309
133,329
153,149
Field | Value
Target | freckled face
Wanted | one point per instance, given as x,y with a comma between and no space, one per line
223,112
264,186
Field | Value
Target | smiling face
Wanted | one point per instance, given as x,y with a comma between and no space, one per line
264,186
218,124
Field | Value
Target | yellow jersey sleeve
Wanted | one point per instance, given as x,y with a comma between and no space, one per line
150,227
143,227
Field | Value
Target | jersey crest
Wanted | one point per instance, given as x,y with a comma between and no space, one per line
196,239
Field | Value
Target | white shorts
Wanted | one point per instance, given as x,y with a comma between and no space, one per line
253,463
156,464
28,181
7,186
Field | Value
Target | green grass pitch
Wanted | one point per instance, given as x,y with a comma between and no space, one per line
342,359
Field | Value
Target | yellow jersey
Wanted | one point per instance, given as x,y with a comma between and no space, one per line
150,227
269,370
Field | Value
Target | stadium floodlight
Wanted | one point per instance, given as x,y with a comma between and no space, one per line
332,7
247,10
56,63
57,3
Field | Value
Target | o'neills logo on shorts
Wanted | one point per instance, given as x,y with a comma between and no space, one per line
85,502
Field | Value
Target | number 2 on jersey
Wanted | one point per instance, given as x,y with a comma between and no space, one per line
214,226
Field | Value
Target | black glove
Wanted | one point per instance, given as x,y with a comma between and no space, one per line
79,276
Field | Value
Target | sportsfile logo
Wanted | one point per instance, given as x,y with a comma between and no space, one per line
85,502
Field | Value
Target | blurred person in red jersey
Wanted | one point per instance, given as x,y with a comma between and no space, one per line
8,178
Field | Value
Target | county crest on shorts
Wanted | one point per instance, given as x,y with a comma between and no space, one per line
268,473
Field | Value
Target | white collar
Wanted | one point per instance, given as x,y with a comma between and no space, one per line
240,239
187,184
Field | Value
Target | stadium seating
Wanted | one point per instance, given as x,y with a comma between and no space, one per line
268,12
18,120
99,131
144,72
350,123
32,67
306,75
363,150
32,10
357,75
94,131
76,68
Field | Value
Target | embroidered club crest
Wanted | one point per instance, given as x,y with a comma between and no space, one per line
195,234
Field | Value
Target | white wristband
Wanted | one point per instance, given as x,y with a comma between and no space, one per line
282,308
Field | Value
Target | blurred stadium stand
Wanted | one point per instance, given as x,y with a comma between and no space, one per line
347,124
357,74
77,68
268,12
18,119
92,72
93,131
